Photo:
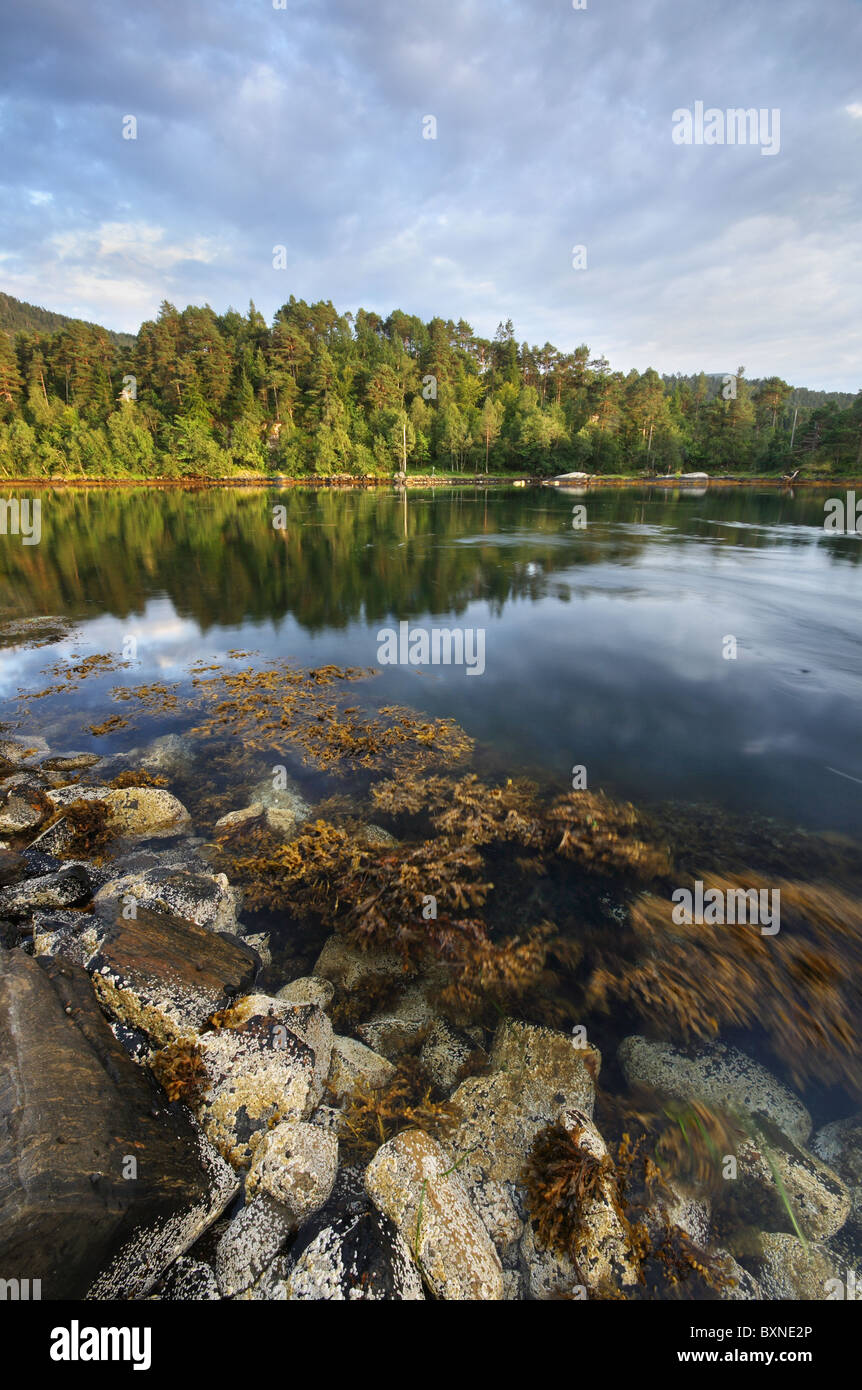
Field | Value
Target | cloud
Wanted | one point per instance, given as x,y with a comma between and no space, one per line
303,127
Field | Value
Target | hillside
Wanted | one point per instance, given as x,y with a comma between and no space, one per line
18,317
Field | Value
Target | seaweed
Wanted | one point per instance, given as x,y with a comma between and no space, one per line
370,1116
179,1069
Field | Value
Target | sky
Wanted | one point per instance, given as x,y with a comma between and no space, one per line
307,128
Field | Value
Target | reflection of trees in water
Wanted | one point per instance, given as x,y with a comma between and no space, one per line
360,555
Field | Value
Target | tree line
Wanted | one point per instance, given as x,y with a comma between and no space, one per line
319,393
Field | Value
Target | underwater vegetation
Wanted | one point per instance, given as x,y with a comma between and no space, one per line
369,1116
564,1180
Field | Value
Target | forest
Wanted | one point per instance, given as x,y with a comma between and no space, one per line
320,394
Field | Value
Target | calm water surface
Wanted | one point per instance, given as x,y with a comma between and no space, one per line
604,643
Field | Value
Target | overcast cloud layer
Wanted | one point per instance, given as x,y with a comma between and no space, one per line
303,127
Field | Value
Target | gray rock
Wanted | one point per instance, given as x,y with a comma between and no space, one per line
354,1256
103,1186
70,886
22,748
353,1064
413,1182
786,1270
444,1052
719,1075
310,989
295,1164
250,1244
820,1201
839,1144
206,899
189,1281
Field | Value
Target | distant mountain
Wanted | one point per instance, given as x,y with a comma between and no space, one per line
18,317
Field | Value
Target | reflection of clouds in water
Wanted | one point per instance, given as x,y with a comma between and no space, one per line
770,743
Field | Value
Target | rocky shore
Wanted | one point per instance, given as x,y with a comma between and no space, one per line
172,1130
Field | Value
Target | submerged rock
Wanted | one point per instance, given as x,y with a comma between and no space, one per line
355,1255
189,1281
103,1187
787,1270
295,1164
310,989
397,1029
414,1182
353,1064
23,748
719,1075
840,1145
347,967
444,1053
818,1199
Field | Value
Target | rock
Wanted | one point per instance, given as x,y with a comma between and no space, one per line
137,813
250,1243
305,1021
20,748
169,755
786,1270
720,1076
354,1256
71,885
375,835
70,762
840,1145
73,935
547,1274
103,1187
166,976
56,840
259,941
444,1053
606,1257
542,1071
353,1064
744,1287
12,867
327,1117
258,1075
22,808
820,1201
346,966
501,1209
413,1182
189,1281
285,808
295,1164
206,899
397,1029
310,989
235,820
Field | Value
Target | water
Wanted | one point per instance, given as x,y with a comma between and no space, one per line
604,644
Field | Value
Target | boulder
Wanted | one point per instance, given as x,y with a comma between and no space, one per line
787,1270
188,1281
203,898
166,976
397,1029
23,748
720,1076
250,1244
346,966
258,1074
444,1053
101,1185
785,1173
353,1064
839,1144
22,808
310,989
413,1182
295,1164
354,1255
64,889
137,813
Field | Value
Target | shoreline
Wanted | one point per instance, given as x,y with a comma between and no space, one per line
422,481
